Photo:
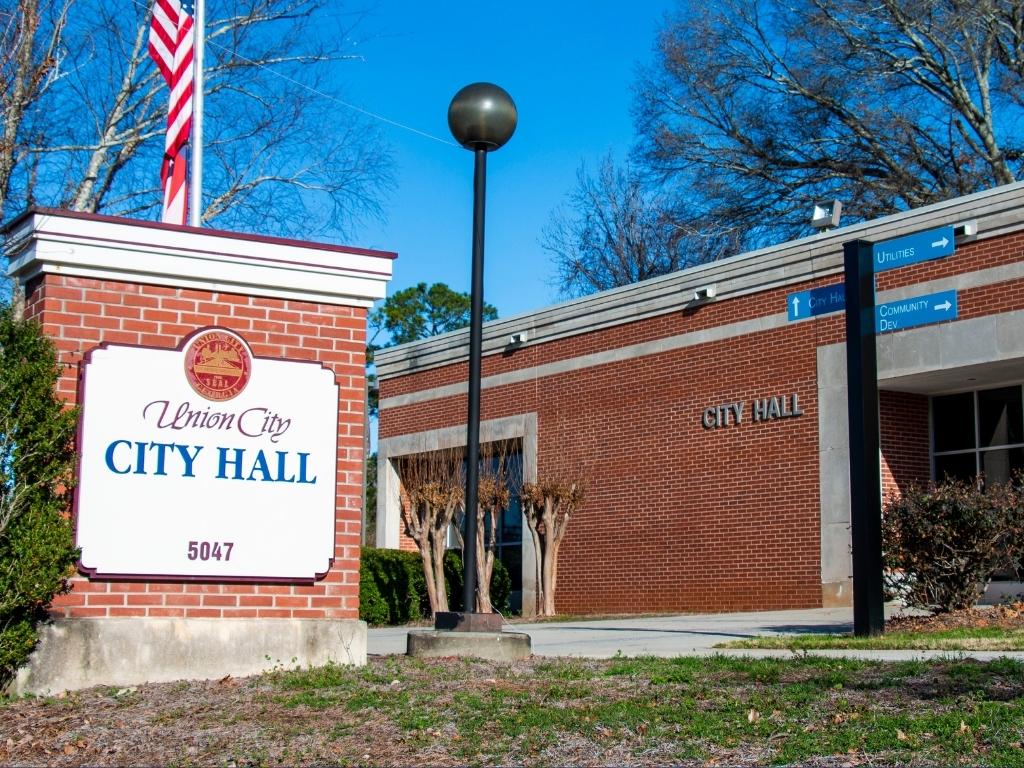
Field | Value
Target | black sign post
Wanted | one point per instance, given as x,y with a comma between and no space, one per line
865,467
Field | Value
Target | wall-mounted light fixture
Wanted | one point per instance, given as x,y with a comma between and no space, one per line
518,339
826,215
705,293
967,229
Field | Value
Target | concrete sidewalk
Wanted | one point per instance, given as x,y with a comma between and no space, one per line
683,635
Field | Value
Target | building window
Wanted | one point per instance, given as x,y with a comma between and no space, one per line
509,539
978,433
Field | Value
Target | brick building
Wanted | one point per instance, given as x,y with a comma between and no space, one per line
712,425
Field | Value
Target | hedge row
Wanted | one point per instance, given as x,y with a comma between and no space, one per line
392,589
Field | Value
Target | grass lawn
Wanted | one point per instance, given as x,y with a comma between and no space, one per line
959,639
806,710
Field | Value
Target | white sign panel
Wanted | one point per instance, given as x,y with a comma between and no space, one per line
206,463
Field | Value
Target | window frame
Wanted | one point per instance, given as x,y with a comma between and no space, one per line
977,450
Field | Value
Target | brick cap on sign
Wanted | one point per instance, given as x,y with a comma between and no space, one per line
52,241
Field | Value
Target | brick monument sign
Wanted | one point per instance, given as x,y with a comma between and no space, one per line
221,382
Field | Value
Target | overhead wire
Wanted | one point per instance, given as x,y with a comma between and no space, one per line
328,96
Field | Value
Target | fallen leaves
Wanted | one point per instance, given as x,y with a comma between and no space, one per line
999,616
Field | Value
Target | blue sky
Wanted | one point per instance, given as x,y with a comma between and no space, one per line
569,67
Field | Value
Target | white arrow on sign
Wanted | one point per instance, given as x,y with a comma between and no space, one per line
941,243
796,306
944,306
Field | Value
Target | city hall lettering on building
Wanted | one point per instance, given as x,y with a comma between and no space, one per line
761,409
225,450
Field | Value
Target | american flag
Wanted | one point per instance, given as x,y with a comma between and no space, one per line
171,40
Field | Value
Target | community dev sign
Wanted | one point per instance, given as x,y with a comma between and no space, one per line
206,462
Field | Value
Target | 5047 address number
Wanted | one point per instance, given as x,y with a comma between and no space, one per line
210,550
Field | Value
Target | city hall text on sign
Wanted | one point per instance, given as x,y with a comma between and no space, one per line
206,462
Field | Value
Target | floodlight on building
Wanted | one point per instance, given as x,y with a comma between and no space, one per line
518,339
705,293
826,215
967,229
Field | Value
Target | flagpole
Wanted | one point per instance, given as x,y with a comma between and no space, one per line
196,189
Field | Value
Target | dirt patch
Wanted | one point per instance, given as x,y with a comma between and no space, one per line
997,617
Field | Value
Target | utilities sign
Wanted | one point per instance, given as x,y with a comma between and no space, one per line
206,462
920,246
918,310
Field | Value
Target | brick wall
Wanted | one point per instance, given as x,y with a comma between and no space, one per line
680,518
903,418
79,313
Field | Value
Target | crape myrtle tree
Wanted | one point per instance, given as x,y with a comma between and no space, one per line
432,499
549,504
753,112
430,496
36,464
493,497
84,114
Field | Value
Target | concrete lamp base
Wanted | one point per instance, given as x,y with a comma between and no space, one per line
494,646
464,621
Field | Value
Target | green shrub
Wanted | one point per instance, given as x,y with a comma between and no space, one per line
942,543
501,584
36,462
392,590
391,587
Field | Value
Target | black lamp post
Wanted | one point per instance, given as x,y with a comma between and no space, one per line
482,117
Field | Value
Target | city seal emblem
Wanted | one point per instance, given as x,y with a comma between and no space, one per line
217,365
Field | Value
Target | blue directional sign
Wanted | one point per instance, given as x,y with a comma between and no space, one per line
917,310
817,301
920,246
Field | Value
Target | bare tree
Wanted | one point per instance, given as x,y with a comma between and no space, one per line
281,155
492,499
755,111
431,496
30,38
549,504
613,231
